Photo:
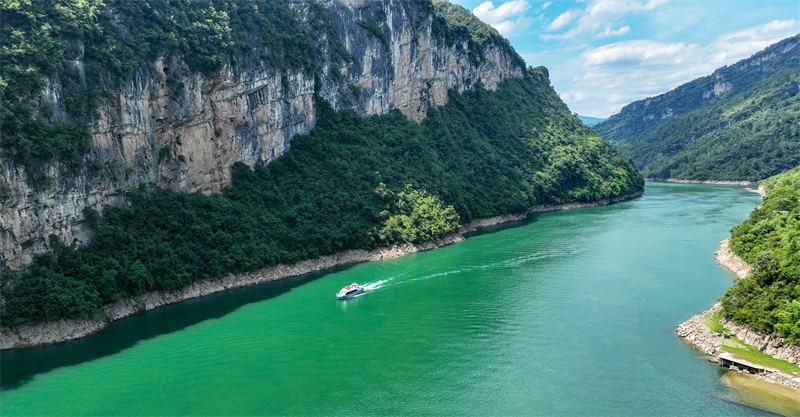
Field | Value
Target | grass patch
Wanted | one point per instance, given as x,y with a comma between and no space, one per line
744,351
750,353
712,320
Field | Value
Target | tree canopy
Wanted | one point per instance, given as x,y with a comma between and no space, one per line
769,299
351,183
740,123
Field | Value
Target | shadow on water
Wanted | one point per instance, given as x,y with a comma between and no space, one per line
502,226
18,367
534,217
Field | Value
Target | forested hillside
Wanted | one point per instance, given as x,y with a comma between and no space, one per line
740,123
351,183
100,96
769,299
91,47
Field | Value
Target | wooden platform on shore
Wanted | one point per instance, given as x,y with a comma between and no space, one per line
729,361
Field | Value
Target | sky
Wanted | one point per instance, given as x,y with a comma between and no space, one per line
604,54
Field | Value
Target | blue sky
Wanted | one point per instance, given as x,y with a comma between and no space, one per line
603,54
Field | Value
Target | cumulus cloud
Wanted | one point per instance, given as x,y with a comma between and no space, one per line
562,20
546,5
614,32
613,75
599,14
506,17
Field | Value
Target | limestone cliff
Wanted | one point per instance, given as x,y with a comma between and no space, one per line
170,127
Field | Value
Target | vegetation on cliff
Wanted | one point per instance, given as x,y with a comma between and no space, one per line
60,59
456,23
81,50
740,123
769,299
415,216
351,183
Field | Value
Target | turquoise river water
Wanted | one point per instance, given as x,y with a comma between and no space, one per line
567,313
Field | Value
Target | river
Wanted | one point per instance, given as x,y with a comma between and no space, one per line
569,312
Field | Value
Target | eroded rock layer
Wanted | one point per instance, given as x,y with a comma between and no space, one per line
186,139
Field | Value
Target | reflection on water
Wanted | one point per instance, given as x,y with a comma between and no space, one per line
571,313
749,390
18,366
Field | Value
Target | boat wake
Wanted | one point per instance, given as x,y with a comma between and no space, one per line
377,284
403,279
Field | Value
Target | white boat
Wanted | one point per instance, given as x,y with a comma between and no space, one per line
350,291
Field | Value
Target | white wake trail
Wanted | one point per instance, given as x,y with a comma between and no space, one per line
377,284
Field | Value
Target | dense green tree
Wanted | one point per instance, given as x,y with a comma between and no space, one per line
769,299
740,123
84,49
419,217
483,154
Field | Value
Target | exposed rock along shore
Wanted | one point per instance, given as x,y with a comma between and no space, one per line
70,329
696,332
761,190
717,182
731,261
699,335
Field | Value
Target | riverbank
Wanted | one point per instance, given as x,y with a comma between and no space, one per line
761,190
71,329
699,333
755,392
726,257
714,182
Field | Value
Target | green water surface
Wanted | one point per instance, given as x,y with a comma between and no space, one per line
567,313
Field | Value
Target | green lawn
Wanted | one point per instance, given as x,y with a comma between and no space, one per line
712,321
747,352
750,353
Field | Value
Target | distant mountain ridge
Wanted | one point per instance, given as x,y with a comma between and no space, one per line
742,122
590,121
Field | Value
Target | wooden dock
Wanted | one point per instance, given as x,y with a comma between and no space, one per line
729,361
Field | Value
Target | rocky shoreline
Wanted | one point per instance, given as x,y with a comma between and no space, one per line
761,190
69,329
731,261
699,335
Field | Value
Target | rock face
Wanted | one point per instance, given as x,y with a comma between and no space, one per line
186,139
769,344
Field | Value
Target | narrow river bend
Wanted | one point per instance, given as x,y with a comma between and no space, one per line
570,312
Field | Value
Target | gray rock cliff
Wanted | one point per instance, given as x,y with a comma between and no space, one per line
186,139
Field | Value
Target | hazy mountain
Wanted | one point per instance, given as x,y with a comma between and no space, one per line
740,122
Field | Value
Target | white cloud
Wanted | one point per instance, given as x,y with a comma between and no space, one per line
562,20
546,5
614,32
615,74
506,17
600,14
638,52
